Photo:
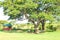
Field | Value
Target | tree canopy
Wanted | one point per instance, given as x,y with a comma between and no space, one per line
38,10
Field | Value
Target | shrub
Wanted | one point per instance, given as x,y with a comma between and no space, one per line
58,27
51,28
3,21
1,26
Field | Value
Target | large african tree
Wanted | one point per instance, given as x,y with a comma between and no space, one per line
38,10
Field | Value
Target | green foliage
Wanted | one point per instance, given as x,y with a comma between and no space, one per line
13,8
30,4
51,28
58,27
1,24
1,27
34,15
37,9
3,21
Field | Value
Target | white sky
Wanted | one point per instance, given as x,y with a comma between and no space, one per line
1,0
2,16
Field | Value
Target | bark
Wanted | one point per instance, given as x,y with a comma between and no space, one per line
43,25
36,30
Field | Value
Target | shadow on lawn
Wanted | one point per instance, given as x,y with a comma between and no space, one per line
18,31
21,31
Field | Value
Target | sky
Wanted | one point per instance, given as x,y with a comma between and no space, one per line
1,0
2,16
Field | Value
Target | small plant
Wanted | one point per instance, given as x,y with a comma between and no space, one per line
51,28
58,27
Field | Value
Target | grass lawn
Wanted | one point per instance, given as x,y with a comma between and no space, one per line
30,36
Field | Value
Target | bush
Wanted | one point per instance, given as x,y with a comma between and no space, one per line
3,21
51,28
58,27
1,24
1,27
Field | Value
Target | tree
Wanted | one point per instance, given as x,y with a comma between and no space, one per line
38,10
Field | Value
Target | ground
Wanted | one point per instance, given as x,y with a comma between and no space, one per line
30,36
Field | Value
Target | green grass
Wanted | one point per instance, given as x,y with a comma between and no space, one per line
30,36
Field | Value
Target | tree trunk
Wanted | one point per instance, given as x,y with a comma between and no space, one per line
36,29
43,25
